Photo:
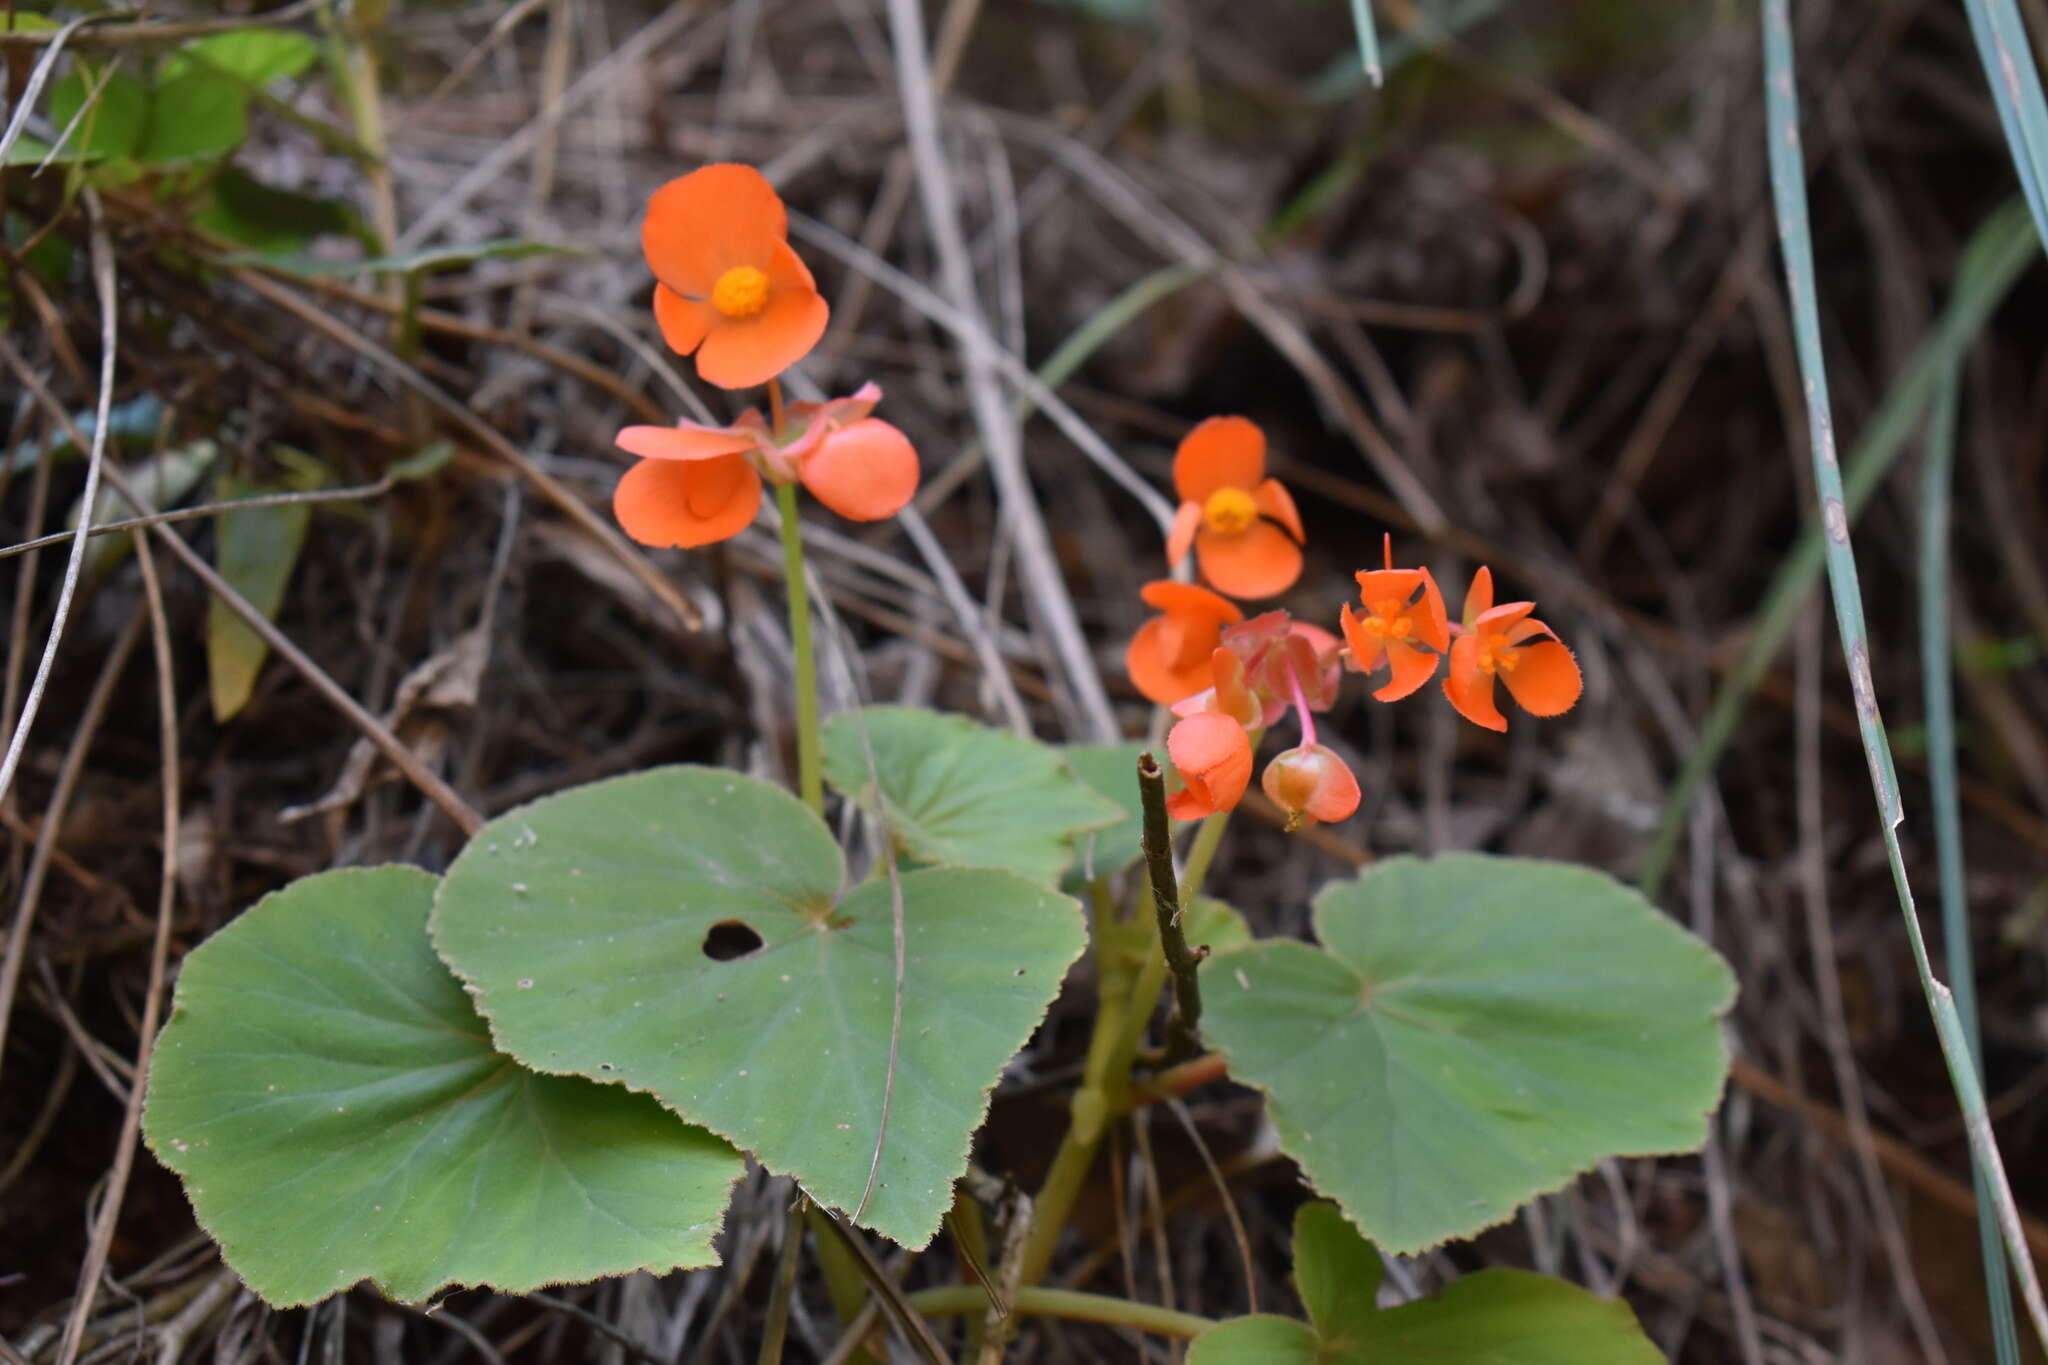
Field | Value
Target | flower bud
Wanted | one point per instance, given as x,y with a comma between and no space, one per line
1311,784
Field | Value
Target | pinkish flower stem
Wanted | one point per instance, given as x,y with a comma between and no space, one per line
1308,721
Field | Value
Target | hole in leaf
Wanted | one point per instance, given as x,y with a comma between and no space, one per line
729,939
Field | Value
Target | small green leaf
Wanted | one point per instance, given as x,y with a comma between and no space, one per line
332,1102
198,115
676,931
1492,1318
1208,921
1473,1031
1112,769
271,220
255,55
425,260
255,549
112,127
1336,1271
962,795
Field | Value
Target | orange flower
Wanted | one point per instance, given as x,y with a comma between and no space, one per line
1403,610
1214,757
698,484
1243,526
731,289
1311,784
1169,657
1541,674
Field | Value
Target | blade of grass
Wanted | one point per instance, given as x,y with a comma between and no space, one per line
1938,690
2016,89
1992,260
1788,194
1368,40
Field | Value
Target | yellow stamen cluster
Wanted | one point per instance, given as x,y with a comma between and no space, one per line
740,292
1388,620
1229,511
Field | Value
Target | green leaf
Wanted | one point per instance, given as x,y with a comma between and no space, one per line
425,260
271,220
599,927
963,795
255,55
1491,1318
255,549
1474,1031
162,481
112,127
1261,1339
27,21
199,115
1337,1273
1208,921
337,1113
1111,769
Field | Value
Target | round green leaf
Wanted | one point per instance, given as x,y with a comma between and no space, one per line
1474,1031
676,931
1490,1318
337,1113
963,795
255,55
112,127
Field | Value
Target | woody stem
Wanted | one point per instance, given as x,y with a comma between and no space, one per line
810,772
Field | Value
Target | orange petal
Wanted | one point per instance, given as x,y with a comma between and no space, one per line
682,443
701,225
1259,561
1153,662
1214,756
1234,696
1433,628
1273,500
1470,687
1186,521
684,322
1545,680
1502,618
1311,784
1222,452
1479,597
1411,668
1365,649
699,502
742,352
1191,600
1384,585
864,472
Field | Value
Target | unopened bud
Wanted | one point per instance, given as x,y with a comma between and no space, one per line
1311,784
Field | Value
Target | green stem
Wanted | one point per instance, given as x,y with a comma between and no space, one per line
810,771
958,1300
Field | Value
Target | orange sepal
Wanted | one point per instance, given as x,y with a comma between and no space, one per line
1214,757
1221,452
1187,519
1470,687
1152,660
682,443
1259,561
702,224
1274,501
864,472
1409,668
1545,680
687,503
1479,597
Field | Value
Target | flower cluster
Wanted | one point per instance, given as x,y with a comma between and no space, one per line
1229,679
732,292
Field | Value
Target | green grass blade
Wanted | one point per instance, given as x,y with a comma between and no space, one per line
1940,705
1368,40
1996,254
1938,689
1788,194
2016,89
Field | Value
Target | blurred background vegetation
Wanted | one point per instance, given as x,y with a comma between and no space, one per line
377,266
